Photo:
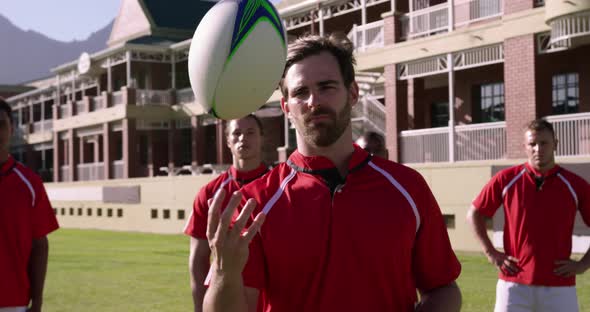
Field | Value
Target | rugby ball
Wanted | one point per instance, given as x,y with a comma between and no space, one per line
237,56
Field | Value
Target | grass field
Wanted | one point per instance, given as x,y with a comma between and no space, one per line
117,271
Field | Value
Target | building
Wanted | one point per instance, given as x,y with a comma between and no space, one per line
449,83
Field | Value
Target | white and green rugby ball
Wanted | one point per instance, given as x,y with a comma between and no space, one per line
237,56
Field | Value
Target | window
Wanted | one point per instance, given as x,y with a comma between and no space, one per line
566,93
491,102
440,114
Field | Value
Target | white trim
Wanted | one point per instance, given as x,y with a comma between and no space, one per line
402,190
222,185
22,177
512,182
278,193
569,186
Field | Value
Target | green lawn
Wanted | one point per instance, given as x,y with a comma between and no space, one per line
117,271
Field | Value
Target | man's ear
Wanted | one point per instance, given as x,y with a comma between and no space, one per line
285,107
353,93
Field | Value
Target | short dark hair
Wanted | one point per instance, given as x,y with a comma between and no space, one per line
256,119
375,137
336,44
4,106
540,125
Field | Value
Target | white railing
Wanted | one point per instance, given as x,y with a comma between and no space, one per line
64,111
428,21
573,134
80,107
96,103
118,98
47,125
469,11
91,171
37,127
64,173
185,96
117,169
486,141
570,26
367,36
371,111
153,97
425,145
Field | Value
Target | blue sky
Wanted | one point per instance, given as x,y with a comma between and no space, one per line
54,18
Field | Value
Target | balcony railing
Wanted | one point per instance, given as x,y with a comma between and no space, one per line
153,97
435,19
485,141
81,107
428,21
573,134
117,169
469,11
64,111
185,96
370,111
64,173
367,36
91,171
118,98
96,103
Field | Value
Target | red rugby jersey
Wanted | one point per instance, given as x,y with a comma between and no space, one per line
538,219
25,214
364,243
230,180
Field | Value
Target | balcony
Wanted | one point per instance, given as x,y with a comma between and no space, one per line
97,103
117,168
486,141
153,98
573,134
91,171
368,36
369,114
185,96
435,19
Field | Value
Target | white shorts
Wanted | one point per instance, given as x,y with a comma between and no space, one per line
514,297
14,309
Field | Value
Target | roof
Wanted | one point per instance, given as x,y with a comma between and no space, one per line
153,40
176,14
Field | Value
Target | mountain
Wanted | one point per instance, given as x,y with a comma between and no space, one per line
29,55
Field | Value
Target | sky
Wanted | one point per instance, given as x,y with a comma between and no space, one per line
54,18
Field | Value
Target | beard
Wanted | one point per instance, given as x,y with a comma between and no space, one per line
325,133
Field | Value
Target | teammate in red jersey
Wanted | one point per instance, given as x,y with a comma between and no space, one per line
26,217
244,139
343,231
540,201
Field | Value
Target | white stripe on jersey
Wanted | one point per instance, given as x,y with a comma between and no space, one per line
26,181
278,193
402,190
569,186
505,190
222,185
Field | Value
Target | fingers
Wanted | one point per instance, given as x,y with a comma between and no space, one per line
509,266
226,216
565,268
254,227
213,215
244,216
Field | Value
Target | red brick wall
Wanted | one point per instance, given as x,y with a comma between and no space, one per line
520,90
513,6
396,109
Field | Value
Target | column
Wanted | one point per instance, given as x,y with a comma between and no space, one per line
197,142
73,156
223,155
128,68
129,148
451,77
171,145
150,152
416,104
396,110
107,151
